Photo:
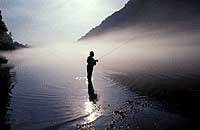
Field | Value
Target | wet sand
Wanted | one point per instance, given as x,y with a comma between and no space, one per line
52,93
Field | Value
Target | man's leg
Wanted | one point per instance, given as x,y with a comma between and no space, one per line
89,76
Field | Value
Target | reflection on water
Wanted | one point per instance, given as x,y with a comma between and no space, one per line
93,112
92,95
92,107
6,85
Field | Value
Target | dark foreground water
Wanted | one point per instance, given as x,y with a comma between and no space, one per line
51,92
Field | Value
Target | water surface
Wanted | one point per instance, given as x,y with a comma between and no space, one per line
52,92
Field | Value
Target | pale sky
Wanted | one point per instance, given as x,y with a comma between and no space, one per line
55,21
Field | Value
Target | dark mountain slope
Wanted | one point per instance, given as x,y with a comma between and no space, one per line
152,12
6,41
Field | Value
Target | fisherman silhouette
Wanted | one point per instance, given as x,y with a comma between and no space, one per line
91,63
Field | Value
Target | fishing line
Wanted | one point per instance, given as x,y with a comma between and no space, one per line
116,48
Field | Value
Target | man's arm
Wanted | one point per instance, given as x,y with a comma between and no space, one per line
95,62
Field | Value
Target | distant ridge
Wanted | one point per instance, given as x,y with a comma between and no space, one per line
6,40
152,12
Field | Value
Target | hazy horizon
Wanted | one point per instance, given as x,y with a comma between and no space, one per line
41,22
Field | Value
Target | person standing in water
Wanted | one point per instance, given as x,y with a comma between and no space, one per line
91,62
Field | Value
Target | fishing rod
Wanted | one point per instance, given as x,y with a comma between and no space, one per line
116,48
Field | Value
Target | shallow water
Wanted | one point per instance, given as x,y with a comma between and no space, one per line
52,92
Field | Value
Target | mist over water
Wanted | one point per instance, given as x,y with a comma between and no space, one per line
150,47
